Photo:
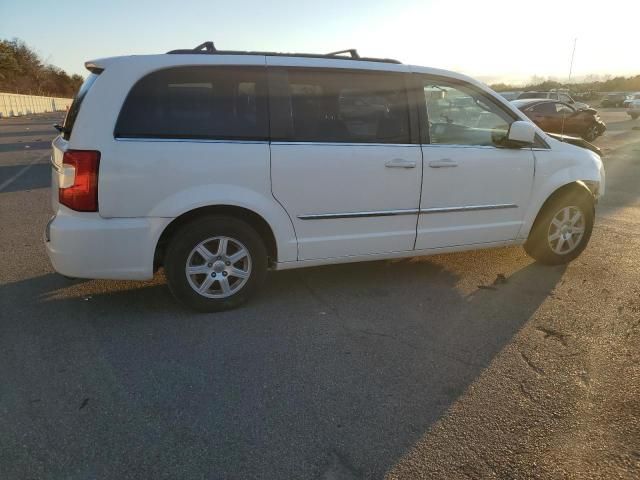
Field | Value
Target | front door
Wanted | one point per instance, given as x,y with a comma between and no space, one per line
344,162
474,190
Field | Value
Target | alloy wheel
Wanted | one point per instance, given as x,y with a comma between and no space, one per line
566,230
218,267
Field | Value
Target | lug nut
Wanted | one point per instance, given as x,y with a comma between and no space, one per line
224,274
227,263
209,265
213,274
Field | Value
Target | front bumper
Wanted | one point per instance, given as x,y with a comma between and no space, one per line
85,245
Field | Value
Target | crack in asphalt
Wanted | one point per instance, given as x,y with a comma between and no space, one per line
553,334
532,365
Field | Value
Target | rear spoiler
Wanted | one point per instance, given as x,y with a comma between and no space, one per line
93,67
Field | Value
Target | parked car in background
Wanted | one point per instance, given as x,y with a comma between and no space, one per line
558,117
631,98
634,109
510,95
220,165
615,99
560,96
585,96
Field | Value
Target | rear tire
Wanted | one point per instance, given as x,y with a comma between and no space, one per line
215,263
563,229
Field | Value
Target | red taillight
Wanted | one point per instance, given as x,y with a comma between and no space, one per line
82,195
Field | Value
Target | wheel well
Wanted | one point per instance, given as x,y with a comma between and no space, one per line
573,188
256,221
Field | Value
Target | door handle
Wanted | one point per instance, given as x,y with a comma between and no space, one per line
444,163
400,163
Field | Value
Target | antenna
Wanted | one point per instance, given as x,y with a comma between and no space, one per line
573,54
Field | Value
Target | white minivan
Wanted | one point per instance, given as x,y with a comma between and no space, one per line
220,165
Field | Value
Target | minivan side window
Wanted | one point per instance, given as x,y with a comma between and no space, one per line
458,114
220,103
345,106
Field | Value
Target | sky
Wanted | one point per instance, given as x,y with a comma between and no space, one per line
493,40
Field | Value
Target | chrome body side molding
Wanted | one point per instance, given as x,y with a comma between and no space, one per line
380,213
410,211
468,208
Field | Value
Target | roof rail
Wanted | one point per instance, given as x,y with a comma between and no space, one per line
208,48
205,47
352,51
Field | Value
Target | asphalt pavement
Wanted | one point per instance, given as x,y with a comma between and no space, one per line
471,365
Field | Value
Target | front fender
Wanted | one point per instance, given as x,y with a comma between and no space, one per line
557,169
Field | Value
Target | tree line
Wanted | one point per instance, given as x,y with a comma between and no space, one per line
590,84
23,71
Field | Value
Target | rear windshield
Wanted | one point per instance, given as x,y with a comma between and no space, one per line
72,114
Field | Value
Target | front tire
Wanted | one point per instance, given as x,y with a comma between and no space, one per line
215,263
563,229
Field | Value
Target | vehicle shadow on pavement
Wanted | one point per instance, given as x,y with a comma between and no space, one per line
24,146
39,176
331,371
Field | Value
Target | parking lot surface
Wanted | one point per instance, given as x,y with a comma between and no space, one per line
470,365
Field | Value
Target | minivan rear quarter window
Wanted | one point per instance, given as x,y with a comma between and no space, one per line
323,105
220,103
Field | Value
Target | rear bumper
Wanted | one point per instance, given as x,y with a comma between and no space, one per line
85,245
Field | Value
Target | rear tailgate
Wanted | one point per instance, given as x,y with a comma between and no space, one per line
59,146
61,143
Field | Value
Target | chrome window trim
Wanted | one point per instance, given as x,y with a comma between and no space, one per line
493,147
458,145
409,211
186,140
345,144
212,140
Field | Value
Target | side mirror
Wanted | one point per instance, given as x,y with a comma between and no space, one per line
521,134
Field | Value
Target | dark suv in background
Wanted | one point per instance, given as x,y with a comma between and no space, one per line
613,100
